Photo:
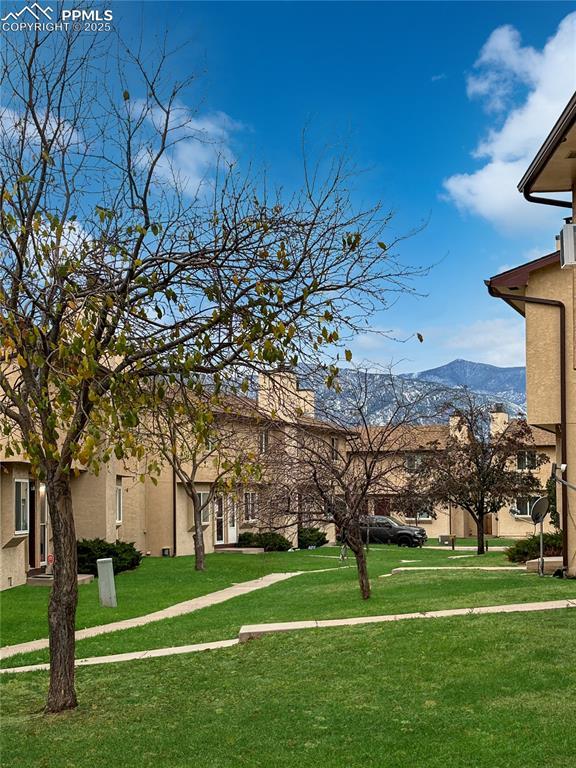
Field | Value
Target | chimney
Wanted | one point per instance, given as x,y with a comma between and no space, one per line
280,396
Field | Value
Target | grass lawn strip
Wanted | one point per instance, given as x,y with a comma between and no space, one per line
320,596
161,582
180,609
485,691
253,631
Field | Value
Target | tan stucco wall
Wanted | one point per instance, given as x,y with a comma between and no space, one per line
14,550
543,373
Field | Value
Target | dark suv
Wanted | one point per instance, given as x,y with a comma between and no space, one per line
380,529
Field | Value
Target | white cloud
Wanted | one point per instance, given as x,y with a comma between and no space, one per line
499,341
504,70
201,144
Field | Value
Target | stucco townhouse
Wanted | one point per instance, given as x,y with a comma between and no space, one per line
157,514
543,291
512,521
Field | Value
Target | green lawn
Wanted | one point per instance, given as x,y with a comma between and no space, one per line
486,691
160,582
157,583
334,594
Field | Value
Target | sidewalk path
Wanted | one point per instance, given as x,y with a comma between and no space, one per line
179,609
521,569
251,631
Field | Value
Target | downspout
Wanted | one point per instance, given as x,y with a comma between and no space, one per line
563,411
174,533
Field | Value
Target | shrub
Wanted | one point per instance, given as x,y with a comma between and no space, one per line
248,539
529,549
311,537
125,556
273,542
270,541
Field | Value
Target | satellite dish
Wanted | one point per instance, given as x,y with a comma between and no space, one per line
540,509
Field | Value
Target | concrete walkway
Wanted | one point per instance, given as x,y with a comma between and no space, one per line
463,568
179,609
251,631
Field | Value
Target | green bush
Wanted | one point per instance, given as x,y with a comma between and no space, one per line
529,549
269,541
248,539
273,542
125,556
311,537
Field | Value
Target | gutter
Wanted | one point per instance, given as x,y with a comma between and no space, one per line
556,136
493,291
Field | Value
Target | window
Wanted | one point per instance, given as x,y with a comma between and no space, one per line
204,507
250,506
524,506
412,462
264,441
119,509
422,514
334,447
526,459
21,505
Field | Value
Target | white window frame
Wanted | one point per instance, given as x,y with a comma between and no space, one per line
422,516
119,502
264,441
205,513
529,500
334,448
18,482
250,506
522,462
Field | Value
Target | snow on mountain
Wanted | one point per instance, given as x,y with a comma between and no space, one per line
428,389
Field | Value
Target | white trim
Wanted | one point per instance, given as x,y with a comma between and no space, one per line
22,481
205,512
119,506
219,516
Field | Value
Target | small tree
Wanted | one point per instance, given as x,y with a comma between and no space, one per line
191,433
476,470
331,466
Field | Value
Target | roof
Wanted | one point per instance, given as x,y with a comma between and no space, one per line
554,167
542,437
517,278
418,437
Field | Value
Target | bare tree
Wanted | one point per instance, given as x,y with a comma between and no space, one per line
113,270
192,434
329,468
476,469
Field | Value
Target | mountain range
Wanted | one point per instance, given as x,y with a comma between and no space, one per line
428,390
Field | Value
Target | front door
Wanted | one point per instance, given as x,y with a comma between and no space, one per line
232,521
219,520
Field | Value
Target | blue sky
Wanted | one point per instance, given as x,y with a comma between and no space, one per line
442,104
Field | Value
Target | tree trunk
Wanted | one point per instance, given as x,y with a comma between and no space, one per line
480,536
355,543
199,549
63,597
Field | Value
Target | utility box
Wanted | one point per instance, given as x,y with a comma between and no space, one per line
106,585
165,551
